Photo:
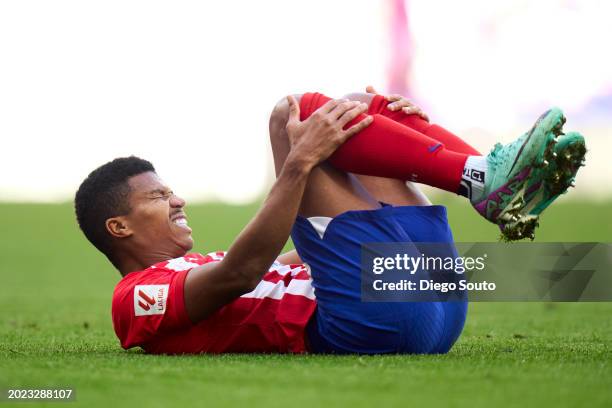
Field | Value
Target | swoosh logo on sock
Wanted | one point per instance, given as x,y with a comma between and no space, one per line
433,148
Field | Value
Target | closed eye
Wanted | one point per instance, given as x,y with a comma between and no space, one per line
162,195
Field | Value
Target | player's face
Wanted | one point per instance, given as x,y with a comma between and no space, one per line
157,217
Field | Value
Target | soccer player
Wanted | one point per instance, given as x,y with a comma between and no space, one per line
253,299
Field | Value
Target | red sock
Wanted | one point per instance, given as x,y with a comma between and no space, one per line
450,140
390,149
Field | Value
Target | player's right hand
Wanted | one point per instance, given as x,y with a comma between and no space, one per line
316,138
398,102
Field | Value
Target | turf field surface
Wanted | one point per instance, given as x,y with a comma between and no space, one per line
56,330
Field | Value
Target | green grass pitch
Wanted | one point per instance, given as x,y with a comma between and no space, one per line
55,330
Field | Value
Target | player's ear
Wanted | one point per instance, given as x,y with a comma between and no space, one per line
118,227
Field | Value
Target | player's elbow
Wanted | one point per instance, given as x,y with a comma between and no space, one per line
250,285
246,284
247,277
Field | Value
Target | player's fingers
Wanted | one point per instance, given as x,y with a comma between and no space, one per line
370,89
294,109
400,104
352,113
330,105
342,108
411,110
415,110
356,128
393,97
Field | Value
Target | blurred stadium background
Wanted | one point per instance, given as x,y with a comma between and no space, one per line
189,85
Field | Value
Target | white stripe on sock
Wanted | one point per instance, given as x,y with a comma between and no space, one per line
474,174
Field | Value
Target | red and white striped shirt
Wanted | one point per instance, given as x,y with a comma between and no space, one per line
149,311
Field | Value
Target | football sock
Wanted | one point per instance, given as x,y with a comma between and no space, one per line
472,180
472,183
450,140
390,149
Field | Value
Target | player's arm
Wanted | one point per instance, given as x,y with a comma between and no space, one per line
213,285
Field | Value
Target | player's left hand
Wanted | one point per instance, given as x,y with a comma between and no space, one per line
399,102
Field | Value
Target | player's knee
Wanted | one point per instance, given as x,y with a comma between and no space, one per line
359,96
279,116
278,120
280,113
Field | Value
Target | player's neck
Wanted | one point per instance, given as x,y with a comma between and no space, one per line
130,265
134,263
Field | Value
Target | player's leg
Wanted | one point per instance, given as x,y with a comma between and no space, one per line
389,149
387,190
543,186
399,192
344,324
394,191
378,104
329,191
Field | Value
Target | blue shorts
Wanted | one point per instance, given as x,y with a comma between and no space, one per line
342,322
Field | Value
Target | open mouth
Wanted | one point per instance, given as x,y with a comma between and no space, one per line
181,221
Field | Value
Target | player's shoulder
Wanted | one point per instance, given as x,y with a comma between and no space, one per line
160,272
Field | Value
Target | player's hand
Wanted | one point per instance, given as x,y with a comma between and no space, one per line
399,102
316,138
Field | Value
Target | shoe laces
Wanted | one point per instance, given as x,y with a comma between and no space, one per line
500,153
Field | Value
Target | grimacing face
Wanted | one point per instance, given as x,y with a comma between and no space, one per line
157,223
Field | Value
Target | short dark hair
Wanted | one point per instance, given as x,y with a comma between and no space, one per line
105,194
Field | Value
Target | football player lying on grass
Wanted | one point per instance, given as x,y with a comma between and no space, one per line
345,171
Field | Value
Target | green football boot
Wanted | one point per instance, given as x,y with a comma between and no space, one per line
508,170
546,185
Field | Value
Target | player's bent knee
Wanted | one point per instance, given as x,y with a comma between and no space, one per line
281,109
279,117
359,96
